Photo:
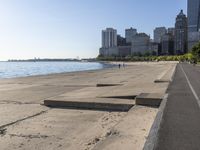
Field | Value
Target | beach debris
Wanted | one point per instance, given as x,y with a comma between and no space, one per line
3,131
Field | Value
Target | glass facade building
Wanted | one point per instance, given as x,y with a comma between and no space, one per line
193,23
193,15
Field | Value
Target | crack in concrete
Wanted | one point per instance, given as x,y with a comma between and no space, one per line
30,136
69,85
16,102
20,120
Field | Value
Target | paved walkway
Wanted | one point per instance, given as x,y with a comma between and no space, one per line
180,129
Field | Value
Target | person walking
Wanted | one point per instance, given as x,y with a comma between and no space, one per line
124,65
119,66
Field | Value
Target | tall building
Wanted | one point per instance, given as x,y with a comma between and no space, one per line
109,38
171,31
124,48
193,22
181,33
124,51
140,43
158,33
193,15
121,41
129,34
167,44
109,43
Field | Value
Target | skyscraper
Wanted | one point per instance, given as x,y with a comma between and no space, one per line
129,34
167,44
171,31
193,22
109,43
193,15
181,33
158,33
109,38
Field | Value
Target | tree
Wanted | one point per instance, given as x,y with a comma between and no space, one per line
196,52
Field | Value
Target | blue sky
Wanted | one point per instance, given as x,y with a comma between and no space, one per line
71,28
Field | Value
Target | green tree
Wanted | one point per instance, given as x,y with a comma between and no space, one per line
196,52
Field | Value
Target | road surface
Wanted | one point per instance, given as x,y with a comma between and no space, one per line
180,126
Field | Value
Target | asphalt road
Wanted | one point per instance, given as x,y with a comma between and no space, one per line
180,126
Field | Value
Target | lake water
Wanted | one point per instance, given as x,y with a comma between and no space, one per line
23,69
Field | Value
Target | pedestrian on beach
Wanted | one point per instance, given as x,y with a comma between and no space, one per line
119,66
124,65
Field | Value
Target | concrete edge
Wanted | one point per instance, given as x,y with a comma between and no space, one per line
172,78
160,80
112,132
88,105
128,97
174,70
162,74
143,99
153,134
105,85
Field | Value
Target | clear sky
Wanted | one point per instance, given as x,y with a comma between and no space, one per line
71,28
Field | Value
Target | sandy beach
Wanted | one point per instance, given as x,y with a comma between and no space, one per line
26,123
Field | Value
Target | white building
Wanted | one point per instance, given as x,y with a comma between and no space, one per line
109,38
140,43
129,34
109,43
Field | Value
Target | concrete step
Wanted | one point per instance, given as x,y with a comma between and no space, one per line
103,104
149,99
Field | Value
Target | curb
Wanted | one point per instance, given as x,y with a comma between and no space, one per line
160,80
153,134
172,78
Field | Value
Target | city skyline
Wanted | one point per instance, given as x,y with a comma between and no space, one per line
66,29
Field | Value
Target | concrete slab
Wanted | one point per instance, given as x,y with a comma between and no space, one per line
35,94
11,113
149,99
60,129
131,132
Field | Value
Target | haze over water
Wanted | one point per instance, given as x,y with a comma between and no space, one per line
23,69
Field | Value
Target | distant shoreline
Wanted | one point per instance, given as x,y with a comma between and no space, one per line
51,60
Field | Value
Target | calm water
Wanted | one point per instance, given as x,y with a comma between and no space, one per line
23,69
